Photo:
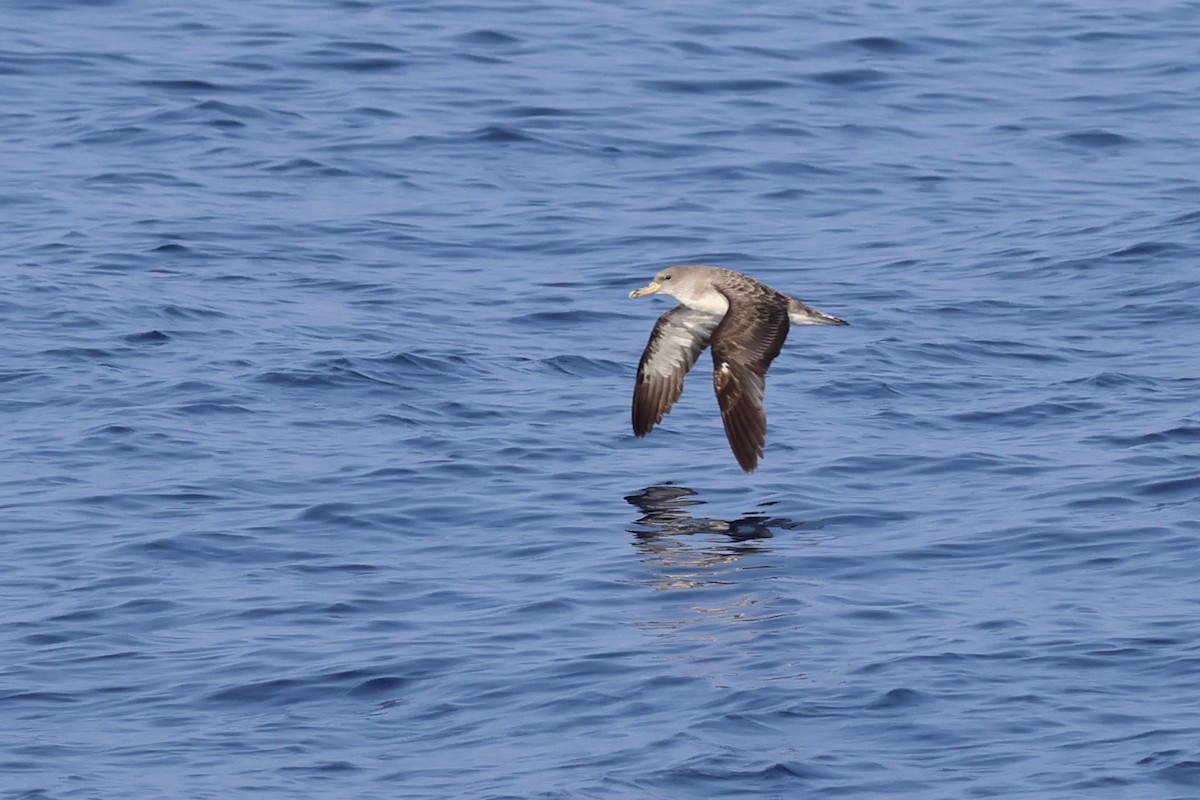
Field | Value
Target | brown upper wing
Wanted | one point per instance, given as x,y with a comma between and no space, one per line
678,339
743,346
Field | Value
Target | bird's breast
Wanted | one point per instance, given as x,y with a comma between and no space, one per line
710,302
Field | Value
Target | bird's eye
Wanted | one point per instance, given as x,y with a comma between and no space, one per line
666,277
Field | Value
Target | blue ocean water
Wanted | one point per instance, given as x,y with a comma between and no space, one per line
317,475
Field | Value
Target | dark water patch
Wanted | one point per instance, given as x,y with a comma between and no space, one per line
852,78
70,62
139,178
206,549
1111,502
789,131
325,767
414,416
1112,380
1094,139
1183,434
392,473
276,691
794,169
300,379
352,569
112,429
581,366
1189,219
173,248
307,166
148,605
344,515
442,366
78,354
20,376
740,86
1182,773
332,372
981,350
883,45
786,194
364,46
329,59
1106,36
859,387
384,685
501,134
241,112
1029,414
211,408
927,178
471,412
572,317
898,699
487,37
1143,250
374,112
40,697
182,85
1187,486
477,58
186,496
749,781
875,132
534,112
307,611
227,124
172,311
965,463
695,48
195,386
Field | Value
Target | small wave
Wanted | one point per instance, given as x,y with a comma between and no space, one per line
182,85
501,134
880,44
298,379
581,366
1030,414
852,78
741,86
571,316
309,167
211,407
488,37
525,112
327,60
1094,139
1144,249
78,353
148,337
193,313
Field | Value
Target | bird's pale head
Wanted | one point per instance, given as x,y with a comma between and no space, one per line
662,283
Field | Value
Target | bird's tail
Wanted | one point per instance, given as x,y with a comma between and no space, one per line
800,314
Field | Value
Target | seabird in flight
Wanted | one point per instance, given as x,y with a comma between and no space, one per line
745,322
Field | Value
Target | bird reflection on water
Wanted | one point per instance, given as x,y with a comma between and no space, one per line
663,534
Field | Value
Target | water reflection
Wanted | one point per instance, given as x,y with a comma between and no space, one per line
666,535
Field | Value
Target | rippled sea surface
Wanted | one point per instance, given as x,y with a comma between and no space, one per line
317,473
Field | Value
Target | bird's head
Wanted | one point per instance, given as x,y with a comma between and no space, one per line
660,285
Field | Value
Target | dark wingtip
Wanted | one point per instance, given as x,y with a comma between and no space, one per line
747,460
